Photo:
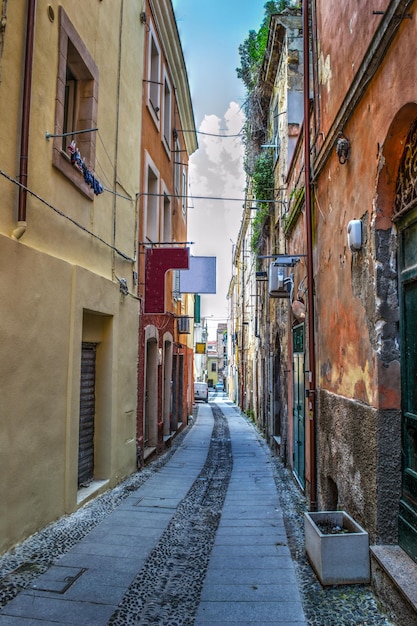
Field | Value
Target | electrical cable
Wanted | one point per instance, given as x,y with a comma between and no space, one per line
67,217
115,193
193,197
200,132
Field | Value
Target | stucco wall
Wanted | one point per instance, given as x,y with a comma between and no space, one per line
347,466
344,35
42,328
359,463
59,284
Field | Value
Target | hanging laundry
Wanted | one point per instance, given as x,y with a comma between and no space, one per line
79,163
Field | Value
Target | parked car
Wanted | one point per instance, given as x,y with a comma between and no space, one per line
219,387
201,391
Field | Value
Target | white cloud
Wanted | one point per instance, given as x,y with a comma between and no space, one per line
216,171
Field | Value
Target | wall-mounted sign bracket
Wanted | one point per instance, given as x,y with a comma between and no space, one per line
284,260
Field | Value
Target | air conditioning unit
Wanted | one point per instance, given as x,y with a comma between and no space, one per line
279,283
184,325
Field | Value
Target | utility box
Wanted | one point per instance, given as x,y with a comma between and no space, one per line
184,325
278,281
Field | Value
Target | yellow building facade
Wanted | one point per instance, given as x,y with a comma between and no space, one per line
68,250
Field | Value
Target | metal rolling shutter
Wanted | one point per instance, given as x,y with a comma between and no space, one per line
87,414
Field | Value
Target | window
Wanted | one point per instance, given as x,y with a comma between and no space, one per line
177,167
184,193
70,108
213,367
176,293
275,140
76,104
154,76
167,114
167,226
152,206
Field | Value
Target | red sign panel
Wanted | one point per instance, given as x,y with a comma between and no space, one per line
157,262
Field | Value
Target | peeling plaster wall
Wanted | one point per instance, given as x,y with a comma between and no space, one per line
357,304
359,468
348,33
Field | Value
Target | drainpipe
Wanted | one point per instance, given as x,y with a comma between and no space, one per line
24,140
311,390
243,363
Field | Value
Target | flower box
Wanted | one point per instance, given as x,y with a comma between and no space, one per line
337,548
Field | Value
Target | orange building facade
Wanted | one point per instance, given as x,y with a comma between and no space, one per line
165,367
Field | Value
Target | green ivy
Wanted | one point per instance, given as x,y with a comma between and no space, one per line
252,50
263,190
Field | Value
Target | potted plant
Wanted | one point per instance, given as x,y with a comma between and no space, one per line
337,548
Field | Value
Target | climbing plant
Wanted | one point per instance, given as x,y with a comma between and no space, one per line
252,50
251,53
263,191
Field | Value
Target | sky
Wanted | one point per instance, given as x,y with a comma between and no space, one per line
211,32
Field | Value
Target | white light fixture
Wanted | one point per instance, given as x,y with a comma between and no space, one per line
354,235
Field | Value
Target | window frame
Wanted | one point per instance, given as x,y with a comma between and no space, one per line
176,293
152,202
167,115
166,229
184,195
177,167
86,75
154,77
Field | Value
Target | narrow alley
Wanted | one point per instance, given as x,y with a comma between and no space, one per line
210,533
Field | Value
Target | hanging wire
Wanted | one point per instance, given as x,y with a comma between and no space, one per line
193,197
200,132
115,193
105,149
103,174
120,195
67,217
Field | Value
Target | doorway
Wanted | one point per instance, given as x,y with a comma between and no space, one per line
299,403
150,425
407,525
87,414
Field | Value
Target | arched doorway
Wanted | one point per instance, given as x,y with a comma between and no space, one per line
150,417
167,384
396,298
405,215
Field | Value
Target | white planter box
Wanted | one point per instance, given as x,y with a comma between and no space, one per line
340,558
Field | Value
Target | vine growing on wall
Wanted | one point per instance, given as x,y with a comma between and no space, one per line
263,191
258,162
251,53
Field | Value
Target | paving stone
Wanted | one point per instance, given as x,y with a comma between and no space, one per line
172,545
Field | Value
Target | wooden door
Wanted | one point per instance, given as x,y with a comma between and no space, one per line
408,294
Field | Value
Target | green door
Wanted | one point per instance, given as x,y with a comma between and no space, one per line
408,295
299,402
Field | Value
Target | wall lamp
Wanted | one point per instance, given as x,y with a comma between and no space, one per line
354,235
343,148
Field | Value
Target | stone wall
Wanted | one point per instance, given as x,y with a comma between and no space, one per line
359,463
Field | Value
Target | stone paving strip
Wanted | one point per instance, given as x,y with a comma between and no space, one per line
167,589
251,577
106,560
211,533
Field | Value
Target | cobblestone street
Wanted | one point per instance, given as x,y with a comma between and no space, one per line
173,580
